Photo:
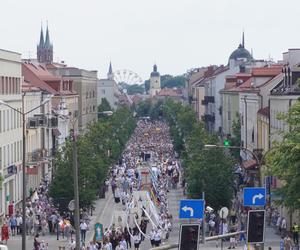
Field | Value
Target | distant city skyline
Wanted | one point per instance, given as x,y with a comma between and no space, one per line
176,35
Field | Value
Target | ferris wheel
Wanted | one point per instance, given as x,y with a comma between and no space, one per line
127,76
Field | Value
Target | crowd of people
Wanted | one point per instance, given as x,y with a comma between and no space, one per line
150,146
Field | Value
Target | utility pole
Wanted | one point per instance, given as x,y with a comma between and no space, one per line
76,192
24,176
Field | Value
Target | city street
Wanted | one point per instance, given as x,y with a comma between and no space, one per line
103,214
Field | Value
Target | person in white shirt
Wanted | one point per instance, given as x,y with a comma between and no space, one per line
120,246
152,234
157,237
83,228
136,241
124,243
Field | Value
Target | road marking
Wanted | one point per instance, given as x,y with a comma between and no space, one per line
258,196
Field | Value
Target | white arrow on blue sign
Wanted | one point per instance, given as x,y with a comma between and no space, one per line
191,209
255,196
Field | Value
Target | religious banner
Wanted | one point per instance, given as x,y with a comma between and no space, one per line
98,232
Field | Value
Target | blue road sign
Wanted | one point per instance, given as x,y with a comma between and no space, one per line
255,196
191,209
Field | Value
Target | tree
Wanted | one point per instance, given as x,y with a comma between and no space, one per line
169,81
97,149
210,171
284,159
236,136
104,106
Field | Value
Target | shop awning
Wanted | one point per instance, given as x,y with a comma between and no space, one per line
249,164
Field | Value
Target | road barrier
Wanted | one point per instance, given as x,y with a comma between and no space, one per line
217,237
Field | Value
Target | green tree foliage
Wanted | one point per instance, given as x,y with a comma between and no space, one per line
104,106
97,149
284,159
168,81
236,136
144,108
133,89
205,170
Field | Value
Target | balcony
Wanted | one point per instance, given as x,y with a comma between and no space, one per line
209,118
38,120
209,99
204,102
53,122
34,156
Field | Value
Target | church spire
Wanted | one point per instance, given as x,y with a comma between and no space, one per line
243,40
45,48
110,74
41,44
110,68
47,42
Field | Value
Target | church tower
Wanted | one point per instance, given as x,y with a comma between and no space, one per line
110,74
154,81
45,48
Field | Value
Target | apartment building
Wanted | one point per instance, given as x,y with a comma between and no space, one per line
10,130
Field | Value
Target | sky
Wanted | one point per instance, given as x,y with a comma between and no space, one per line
177,35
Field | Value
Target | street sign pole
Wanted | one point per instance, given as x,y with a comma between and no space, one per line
203,220
222,213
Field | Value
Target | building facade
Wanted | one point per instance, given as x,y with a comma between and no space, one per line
154,82
85,85
108,89
10,130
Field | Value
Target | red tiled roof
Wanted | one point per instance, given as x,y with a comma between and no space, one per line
28,87
29,74
39,76
170,92
264,111
264,71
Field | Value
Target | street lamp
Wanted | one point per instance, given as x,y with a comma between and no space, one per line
23,114
75,175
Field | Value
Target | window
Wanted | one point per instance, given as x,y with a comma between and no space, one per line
6,85
7,124
103,91
1,84
94,108
15,151
93,93
0,158
229,115
18,151
252,135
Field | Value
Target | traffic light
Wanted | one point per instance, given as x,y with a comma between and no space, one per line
189,236
226,143
256,226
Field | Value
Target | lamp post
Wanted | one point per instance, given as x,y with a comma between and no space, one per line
75,175
23,114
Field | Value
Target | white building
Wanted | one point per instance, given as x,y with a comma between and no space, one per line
10,130
154,82
284,94
108,89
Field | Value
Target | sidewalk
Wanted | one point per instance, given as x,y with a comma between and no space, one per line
102,214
